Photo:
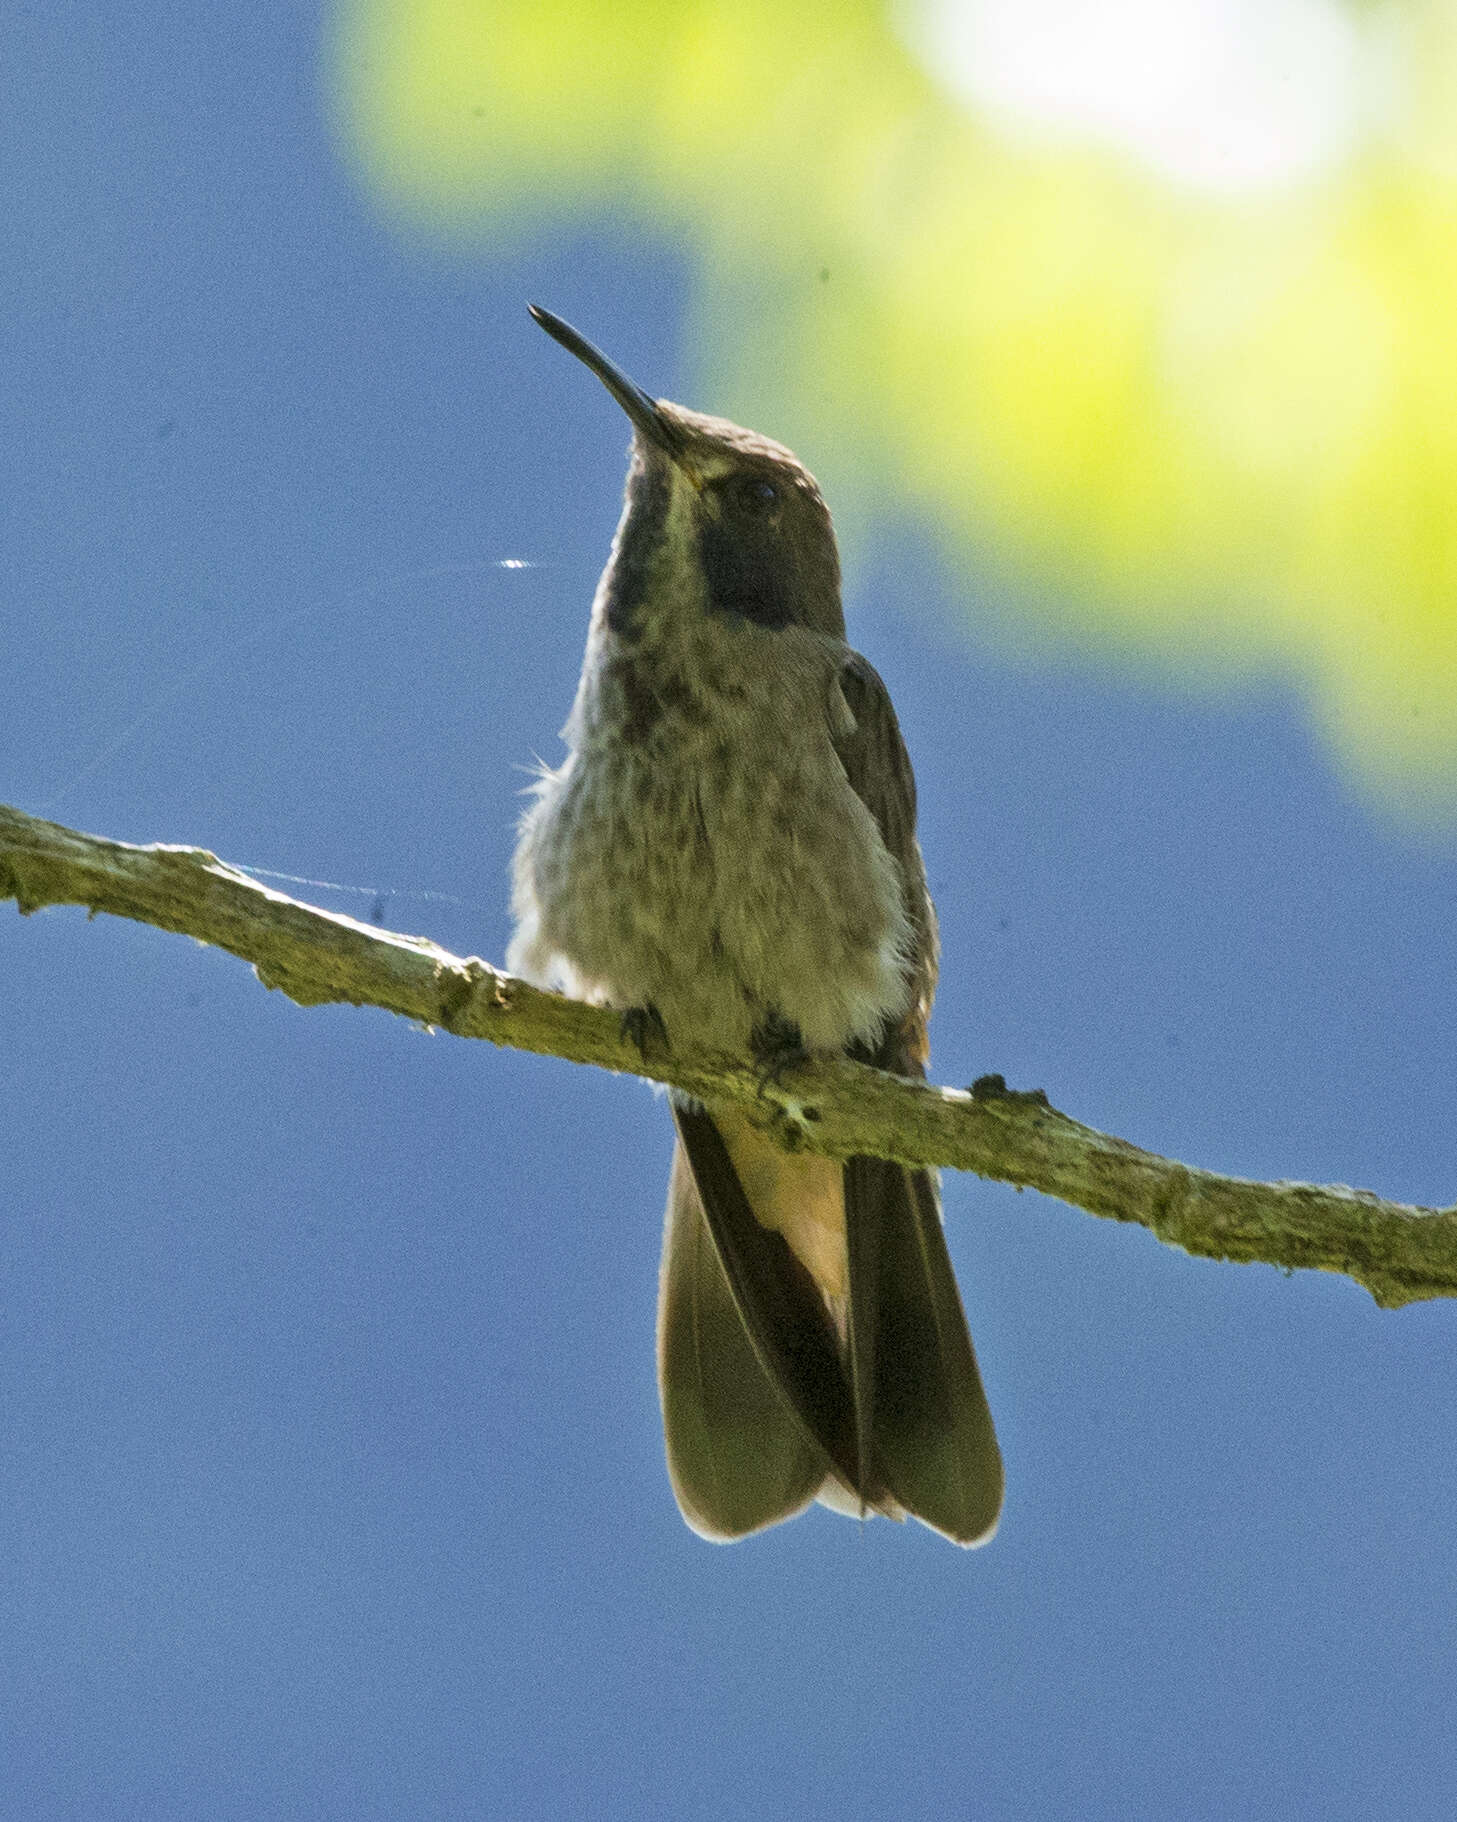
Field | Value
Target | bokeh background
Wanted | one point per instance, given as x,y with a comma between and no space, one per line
1121,340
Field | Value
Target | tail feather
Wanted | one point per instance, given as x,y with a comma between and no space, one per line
737,1459
766,1408
778,1303
919,1393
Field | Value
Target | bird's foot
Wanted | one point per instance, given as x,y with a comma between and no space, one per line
994,1088
777,1047
644,1027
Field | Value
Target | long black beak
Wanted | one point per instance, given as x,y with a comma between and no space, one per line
634,401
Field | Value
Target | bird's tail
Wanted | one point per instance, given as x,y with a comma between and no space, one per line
768,1400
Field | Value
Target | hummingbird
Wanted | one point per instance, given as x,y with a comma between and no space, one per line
728,857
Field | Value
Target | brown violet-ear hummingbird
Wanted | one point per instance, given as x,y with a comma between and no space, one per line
728,854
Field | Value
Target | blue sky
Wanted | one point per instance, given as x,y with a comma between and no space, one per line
328,1429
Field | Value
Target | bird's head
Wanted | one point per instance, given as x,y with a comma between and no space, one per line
717,518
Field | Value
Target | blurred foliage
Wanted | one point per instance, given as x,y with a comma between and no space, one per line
1215,433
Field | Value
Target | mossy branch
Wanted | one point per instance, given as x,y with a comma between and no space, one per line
1401,1254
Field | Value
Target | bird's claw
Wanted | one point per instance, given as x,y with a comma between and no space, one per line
643,1026
777,1048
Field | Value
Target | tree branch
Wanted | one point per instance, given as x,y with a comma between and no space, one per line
1401,1254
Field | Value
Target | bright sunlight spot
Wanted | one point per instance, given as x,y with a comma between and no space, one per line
1225,95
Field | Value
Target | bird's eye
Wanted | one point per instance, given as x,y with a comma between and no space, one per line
756,494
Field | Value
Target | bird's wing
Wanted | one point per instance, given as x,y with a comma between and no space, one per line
878,769
922,1419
